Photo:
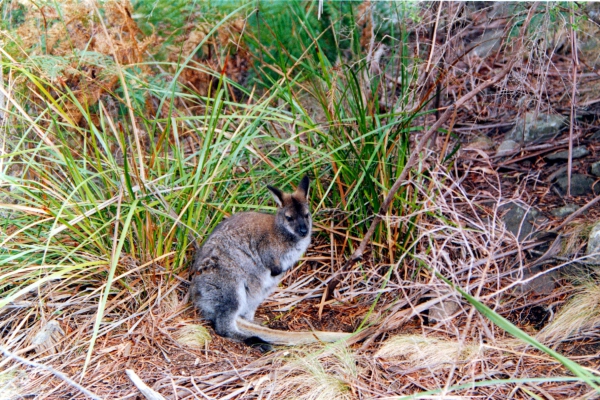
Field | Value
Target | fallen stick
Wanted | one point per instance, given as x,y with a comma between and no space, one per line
146,391
56,373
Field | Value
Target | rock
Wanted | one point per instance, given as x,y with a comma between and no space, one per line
593,246
542,285
443,311
564,211
488,43
480,142
593,11
595,170
578,152
580,185
520,221
532,128
507,147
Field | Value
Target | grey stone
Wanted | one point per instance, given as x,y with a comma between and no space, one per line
588,42
580,184
480,142
595,170
593,11
593,246
564,211
543,284
532,128
576,273
443,310
520,221
578,152
507,147
489,42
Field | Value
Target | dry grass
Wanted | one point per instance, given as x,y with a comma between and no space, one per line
194,336
427,352
316,375
579,316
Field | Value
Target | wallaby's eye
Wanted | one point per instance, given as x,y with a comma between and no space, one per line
288,218
306,215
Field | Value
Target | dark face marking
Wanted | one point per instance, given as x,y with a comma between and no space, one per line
298,217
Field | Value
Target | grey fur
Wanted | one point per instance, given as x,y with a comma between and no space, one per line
243,260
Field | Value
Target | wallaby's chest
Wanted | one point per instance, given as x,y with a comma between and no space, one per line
290,257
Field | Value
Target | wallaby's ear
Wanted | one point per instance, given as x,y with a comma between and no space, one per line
303,186
277,195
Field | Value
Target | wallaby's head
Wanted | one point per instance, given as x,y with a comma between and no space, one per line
293,213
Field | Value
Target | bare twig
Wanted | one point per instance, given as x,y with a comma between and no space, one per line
56,373
573,100
435,26
577,213
146,391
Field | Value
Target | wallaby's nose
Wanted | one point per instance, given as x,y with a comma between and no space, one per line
302,230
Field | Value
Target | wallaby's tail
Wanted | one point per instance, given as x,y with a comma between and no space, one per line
288,338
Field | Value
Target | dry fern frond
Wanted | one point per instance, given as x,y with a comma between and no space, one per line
223,52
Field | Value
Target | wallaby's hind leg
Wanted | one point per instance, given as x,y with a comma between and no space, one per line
222,302
225,325
219,303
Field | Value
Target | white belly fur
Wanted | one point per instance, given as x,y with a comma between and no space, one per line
290,258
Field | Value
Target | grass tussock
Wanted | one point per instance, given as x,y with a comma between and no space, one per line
321,375
417,351
193,335
578,316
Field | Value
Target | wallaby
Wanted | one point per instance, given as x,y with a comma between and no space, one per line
242,261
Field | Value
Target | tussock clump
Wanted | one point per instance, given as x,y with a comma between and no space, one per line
580,314
319,376
193,336
428,352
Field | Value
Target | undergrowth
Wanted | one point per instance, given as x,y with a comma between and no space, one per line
104,114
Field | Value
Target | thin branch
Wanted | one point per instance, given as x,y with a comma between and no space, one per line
433,39
56,373
146,391
577,213
573,101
